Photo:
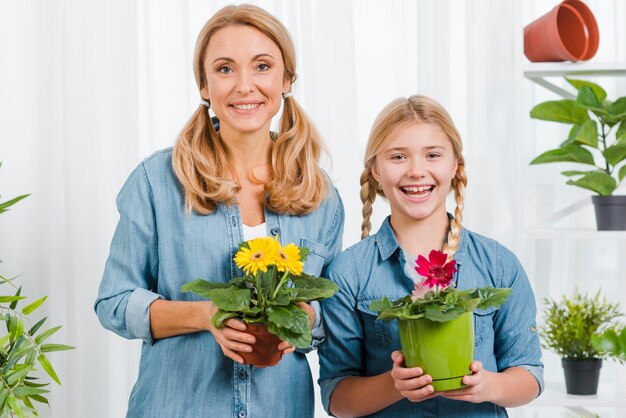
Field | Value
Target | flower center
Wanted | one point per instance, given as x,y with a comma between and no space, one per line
256,256
283,255
437,271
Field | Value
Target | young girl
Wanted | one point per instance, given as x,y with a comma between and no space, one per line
184,212
414,158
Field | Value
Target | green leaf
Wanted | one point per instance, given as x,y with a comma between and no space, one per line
587,98
221,316
622,173
617,109
597,90
36,327
47,348
300,340
45,363
5,205
572,136
12,402
19,372
202,287
568,153
615,153
571,173
492,297
290,317
564,111
587,134
307,288
46,334
5,299
621,131
267,282
231,299
304,253
33,306
380,305
13,304
40,399
597,181
22,391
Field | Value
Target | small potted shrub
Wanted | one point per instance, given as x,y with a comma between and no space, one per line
23,348
266,298
570,324
596,140
436,322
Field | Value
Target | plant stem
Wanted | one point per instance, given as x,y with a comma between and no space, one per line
607,169
280,284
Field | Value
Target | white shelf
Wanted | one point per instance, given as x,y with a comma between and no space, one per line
538,71
558,69
611,396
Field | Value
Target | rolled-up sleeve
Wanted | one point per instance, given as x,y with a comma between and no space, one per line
341,355
130,276
517,341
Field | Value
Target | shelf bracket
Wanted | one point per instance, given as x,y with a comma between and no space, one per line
550,220
553,87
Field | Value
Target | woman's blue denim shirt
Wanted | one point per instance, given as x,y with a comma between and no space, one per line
358,344
156,248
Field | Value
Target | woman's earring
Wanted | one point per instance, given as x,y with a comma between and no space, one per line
288,94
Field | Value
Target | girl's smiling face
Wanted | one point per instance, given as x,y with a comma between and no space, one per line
245,76
415,170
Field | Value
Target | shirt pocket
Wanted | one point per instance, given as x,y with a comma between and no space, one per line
317,257
483,326
373,328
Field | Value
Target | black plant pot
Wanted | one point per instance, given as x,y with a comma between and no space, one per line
610,212
581,377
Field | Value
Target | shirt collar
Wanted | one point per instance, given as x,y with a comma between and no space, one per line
388,244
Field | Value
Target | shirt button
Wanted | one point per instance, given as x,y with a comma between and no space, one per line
234,219
242,375
533,328
241,414
275,231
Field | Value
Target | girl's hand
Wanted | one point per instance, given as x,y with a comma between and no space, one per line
412,383
231,337
481,386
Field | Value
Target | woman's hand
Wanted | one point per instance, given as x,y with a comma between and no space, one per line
232,337
412,383
481,386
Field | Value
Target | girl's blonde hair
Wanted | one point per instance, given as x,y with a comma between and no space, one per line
415,109
296,184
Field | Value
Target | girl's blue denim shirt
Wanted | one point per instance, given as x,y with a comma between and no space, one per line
157,247
358,344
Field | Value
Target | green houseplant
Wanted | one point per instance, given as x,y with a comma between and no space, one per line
267,295
22,350
570,324
612,342
436,322
597,139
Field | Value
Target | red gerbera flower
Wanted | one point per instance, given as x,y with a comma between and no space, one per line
436,271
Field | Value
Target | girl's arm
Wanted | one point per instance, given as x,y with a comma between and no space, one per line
357,396
512,387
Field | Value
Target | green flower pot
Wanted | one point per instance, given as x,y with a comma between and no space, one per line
444,350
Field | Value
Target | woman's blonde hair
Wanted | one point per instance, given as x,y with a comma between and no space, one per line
296,184
415,109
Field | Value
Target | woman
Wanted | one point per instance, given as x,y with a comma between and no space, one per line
414,159
183,213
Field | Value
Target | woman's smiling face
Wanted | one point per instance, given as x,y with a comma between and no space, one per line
245,76
415,170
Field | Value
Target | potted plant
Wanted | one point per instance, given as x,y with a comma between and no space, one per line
436,323
266,298
597,139
569,327
22,348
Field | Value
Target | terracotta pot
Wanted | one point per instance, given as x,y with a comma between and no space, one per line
265,352
444,350
590,24
568,32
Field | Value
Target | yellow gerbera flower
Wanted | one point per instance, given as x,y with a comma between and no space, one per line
261,252
289,258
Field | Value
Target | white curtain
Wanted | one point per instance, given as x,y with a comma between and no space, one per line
89,88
